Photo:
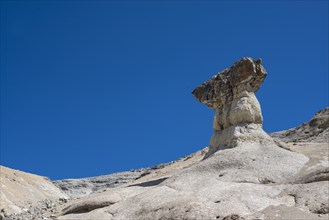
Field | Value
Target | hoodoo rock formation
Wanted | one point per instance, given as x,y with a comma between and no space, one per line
243,175
231,93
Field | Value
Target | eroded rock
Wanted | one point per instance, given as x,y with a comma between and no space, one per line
231,93
315,130
245,75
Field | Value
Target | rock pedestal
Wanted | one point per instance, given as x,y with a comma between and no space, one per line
231,93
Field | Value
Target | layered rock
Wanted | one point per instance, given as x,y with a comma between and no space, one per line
21,191
315,130
231,93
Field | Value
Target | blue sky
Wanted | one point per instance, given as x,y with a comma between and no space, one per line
95,87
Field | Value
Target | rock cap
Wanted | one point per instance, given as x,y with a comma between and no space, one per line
244,75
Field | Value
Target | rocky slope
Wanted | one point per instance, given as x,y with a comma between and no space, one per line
248,181
244,174
48,197
21,192
315,130
77,188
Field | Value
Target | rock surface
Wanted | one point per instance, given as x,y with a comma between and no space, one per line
245,182
315,130
238,116
76,188
21,191
245,75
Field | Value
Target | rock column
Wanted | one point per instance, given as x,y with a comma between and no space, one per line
231,93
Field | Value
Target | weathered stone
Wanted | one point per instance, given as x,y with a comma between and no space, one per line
315,130
231,93
245,75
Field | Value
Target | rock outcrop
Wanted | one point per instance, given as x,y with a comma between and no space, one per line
21,191
77,188
243,175
315,130
231,93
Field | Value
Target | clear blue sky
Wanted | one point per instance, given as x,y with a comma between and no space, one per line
95,87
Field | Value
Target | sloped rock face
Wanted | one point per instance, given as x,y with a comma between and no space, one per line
76,188
315,130
21,191
232,182
238,115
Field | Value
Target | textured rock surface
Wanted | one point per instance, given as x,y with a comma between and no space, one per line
76,188
245,75
20,190
237,181
238,114
315,130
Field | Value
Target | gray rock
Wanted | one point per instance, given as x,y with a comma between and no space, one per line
315,130
311,197
77,188
238,114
